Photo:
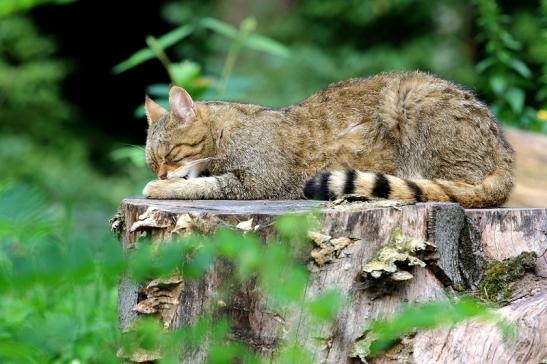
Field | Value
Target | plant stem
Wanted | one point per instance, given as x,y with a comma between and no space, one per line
246,28
161,55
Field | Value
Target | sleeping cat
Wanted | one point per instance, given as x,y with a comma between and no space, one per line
402,136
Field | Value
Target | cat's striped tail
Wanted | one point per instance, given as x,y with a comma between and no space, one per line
493,191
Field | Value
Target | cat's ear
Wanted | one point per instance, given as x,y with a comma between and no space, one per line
153,110
182,105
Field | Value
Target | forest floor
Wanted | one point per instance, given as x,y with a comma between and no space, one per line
531,169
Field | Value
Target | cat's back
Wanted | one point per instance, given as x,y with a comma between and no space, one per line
394,101
377,105
346,94
403,117
372,91
365,99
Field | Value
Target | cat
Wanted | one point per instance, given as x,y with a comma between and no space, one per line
402,135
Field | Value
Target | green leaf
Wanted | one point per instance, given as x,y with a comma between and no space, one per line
8,7
203,258
175,36
256,42
137,58
249,256
515,97
220,27
326,306
498,84
132,153
504,56
23,213
426,316
168,257
520,67
542,94
294,285
145,54
509,41
293,227
295,353
485,64
267,45
247,26
183,73
158,90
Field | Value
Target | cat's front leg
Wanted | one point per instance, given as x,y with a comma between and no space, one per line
183,189
218,187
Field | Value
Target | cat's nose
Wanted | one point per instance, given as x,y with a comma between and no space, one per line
163,176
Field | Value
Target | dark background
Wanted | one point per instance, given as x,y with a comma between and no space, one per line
94,36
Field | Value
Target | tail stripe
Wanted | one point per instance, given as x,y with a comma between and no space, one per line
399,190
324,190
446,191
492,191
416,190
364,183
349,185
381,186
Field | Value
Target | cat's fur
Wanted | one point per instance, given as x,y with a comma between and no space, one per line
404,136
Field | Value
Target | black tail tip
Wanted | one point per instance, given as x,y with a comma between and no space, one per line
310,189
317,187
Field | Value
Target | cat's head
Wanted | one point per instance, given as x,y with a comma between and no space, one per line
179,141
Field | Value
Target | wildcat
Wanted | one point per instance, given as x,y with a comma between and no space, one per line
401,135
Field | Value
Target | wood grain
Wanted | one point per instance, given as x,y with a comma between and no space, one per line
466,240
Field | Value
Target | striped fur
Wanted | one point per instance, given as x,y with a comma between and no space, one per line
332,185
384,128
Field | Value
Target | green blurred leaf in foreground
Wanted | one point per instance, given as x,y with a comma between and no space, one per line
146,54
383,334
8,7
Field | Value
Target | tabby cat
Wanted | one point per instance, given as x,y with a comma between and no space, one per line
402,136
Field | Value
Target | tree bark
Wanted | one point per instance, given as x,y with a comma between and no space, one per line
346,256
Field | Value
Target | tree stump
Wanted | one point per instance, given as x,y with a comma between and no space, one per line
467,244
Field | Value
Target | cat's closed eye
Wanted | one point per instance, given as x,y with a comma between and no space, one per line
177,160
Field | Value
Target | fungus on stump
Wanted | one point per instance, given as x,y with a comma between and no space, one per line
447,250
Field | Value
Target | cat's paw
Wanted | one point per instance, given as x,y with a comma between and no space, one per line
159,189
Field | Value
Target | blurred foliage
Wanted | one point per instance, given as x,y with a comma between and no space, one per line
39,140
383,334
30,77
508,76
58,290
46,266
8,7
188,74
57,284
